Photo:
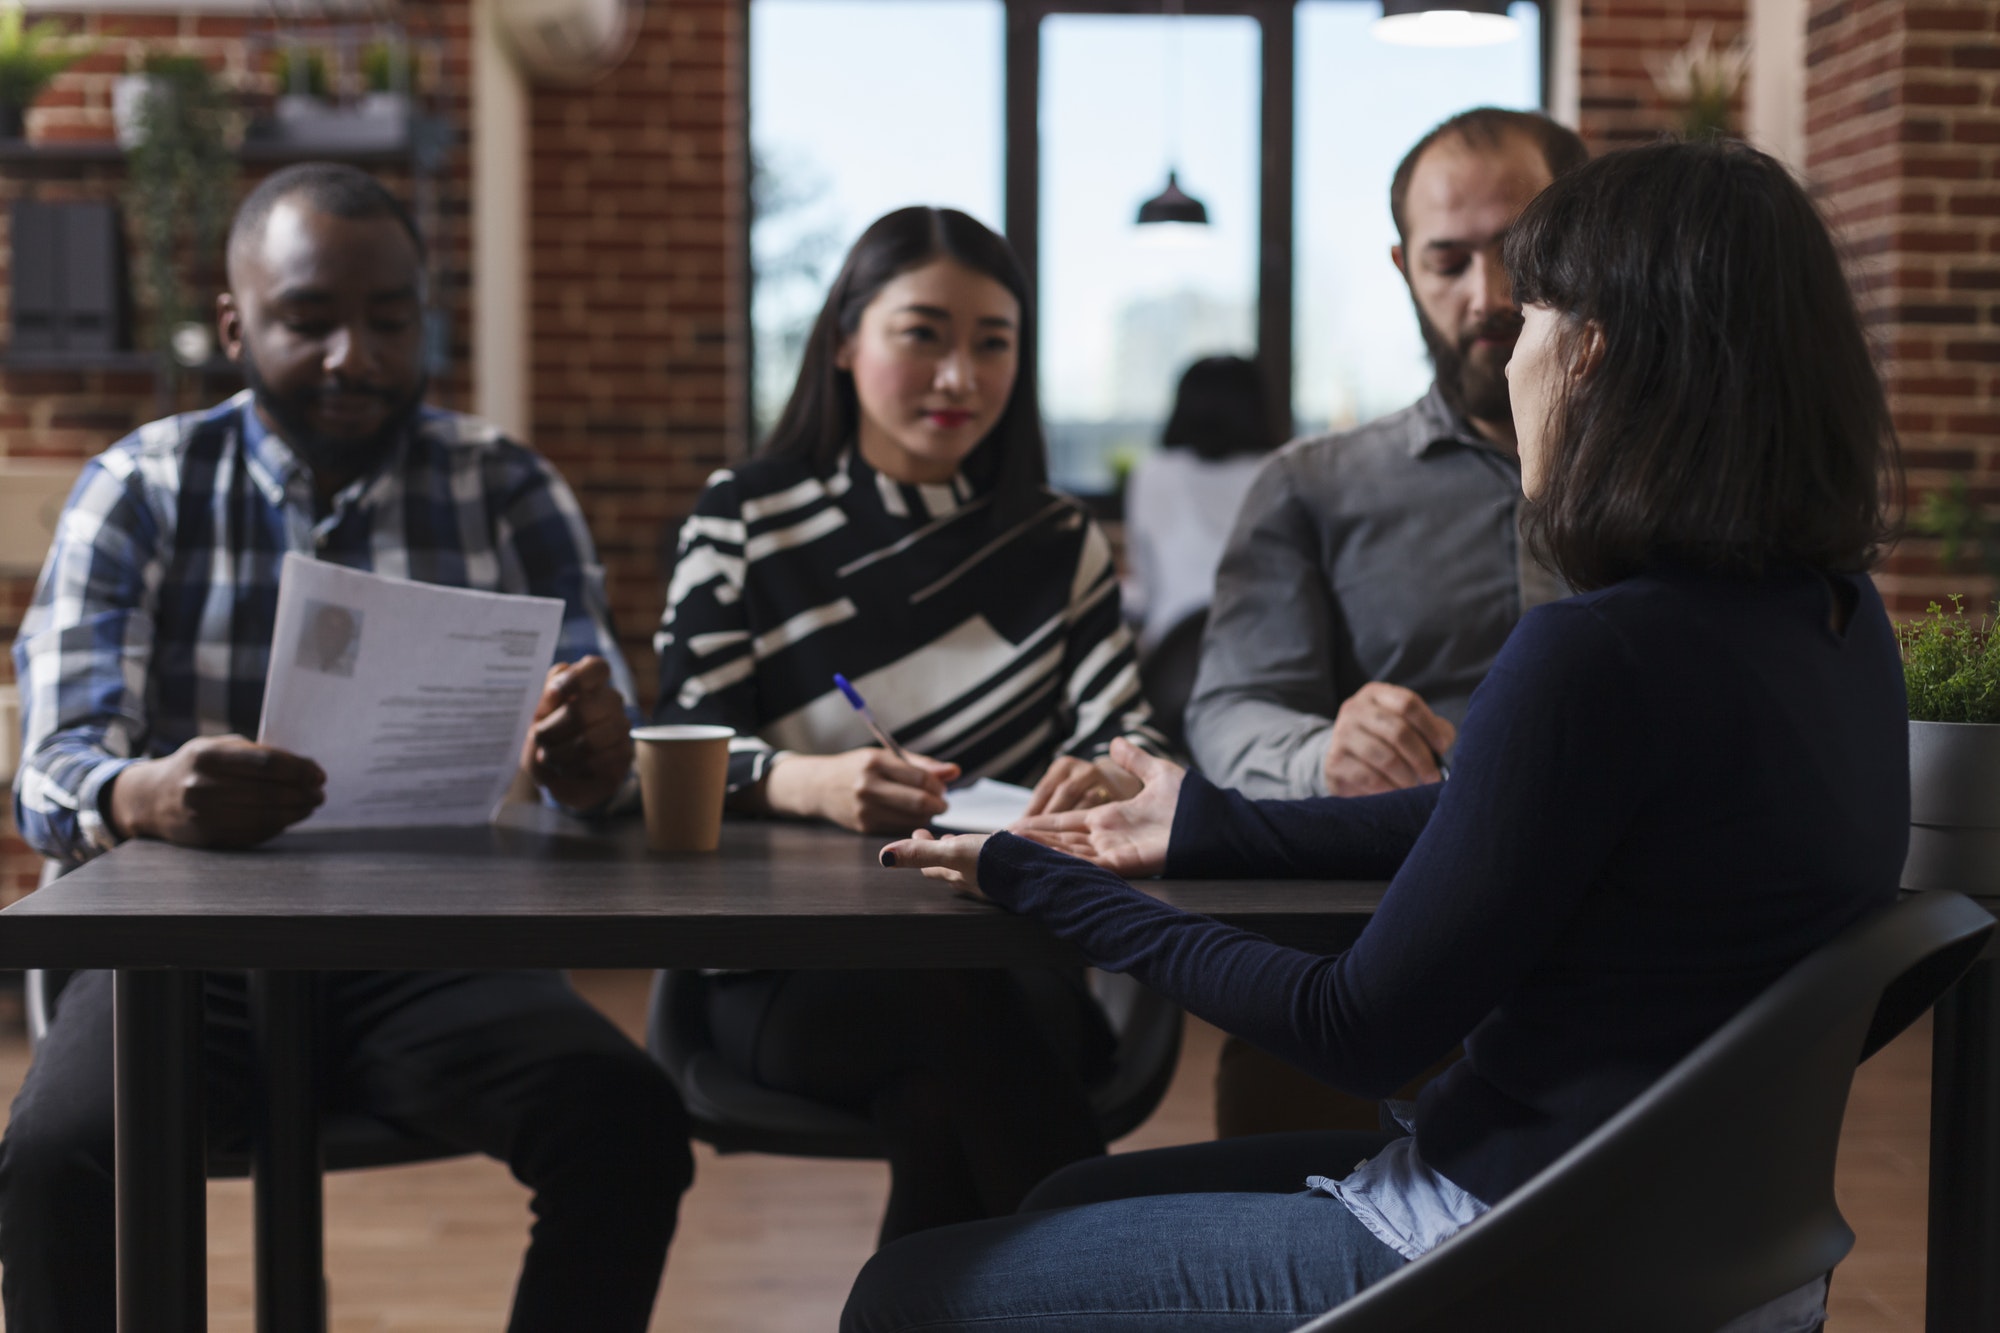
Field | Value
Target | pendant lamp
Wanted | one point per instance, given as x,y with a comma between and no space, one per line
1445,23
1173,204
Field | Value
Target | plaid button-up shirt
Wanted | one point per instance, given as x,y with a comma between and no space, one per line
151,624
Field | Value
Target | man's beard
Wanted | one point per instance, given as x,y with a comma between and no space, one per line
329,455
1473,390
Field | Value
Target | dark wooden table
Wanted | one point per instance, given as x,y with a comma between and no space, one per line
536,890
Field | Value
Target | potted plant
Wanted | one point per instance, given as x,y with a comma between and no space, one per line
389,76
389,70
300,75
1951,668
180,190
1701,81
27,65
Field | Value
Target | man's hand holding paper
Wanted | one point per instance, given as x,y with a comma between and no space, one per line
580,746
416,699
219,791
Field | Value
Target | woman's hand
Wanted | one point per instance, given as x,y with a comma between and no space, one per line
867,790
955,859
1079,784
1128,837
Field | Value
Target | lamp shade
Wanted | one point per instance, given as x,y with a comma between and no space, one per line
1173,204
1445,23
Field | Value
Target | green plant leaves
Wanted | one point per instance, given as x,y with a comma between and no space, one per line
180,185
27,66
1951,666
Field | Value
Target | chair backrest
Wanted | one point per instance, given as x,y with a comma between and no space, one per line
1166,676
733,1114
1149,1049
1712,1193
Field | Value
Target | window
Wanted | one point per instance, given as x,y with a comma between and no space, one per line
1124,308
858,107
1361,104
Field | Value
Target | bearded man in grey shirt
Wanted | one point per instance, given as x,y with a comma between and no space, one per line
1373,575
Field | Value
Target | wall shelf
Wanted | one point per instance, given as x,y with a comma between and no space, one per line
20,157
126,362
120,362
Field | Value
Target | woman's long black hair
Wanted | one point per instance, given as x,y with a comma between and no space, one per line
1735,422
822,415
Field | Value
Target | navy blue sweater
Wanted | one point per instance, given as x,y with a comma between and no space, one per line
1665,793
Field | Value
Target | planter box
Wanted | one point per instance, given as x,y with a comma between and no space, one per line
381,123
127,92
1954,808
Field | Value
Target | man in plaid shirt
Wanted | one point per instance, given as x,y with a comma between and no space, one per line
142,665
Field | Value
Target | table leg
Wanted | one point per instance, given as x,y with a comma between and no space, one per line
285,1166
161,1154
1962,1289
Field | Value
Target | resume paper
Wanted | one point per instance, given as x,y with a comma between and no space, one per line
415,698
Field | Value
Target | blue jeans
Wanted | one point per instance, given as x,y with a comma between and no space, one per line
1163,1262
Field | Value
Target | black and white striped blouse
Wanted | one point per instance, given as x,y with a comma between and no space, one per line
995,649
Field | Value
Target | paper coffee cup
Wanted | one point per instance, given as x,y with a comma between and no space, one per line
683,774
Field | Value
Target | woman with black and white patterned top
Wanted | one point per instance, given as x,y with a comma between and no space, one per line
898,529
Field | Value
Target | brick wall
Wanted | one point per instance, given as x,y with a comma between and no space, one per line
70,415
1617,104
1903,144
74,414
637,284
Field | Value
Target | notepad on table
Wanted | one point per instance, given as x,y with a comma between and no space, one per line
984,806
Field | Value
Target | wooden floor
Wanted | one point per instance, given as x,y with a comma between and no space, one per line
770,1244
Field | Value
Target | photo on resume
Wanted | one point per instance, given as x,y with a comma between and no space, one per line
329,638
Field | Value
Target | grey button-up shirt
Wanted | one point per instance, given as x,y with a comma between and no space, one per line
1392,552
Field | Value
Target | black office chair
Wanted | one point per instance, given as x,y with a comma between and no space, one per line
733,1114
1166,677
1712,1193
349,1141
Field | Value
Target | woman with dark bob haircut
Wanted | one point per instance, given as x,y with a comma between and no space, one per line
1181,501
898,529
1671,788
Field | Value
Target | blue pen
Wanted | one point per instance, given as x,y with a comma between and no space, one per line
874,727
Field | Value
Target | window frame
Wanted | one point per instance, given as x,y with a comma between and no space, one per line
1022,196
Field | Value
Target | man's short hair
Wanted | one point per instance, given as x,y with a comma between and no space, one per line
327,187
1488,127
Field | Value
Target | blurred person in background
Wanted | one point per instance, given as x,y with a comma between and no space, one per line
1182,500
